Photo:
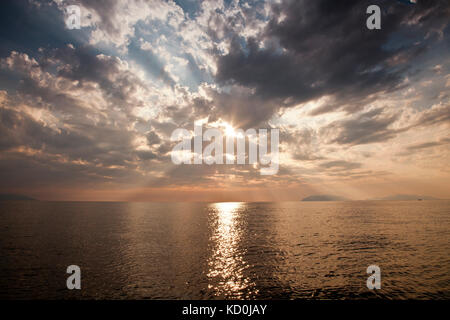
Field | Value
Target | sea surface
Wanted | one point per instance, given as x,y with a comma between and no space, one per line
285,250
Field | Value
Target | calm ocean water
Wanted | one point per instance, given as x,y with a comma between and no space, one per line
286,250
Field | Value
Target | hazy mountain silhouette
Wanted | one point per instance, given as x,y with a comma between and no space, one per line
7,196
324,197
407,197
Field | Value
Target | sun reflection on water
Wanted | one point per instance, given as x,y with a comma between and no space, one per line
226,264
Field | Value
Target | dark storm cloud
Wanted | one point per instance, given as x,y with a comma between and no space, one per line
435,115
324,48
82,143
49,156
375,126
348,170
48,83
242,107
99,145
302,144
340,165
17,129
368,127
429,144
85,64
146,155
153,138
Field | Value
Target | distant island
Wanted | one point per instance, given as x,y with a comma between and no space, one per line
324,197
399,197
9,197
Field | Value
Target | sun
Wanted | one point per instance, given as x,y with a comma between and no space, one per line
229,130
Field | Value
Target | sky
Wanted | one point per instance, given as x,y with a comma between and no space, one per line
87,114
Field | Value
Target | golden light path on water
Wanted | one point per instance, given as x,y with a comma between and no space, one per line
226,264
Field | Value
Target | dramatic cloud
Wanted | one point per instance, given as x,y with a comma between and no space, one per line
368,127
313,48
91,111
425,145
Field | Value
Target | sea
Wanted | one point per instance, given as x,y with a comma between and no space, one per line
230,250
